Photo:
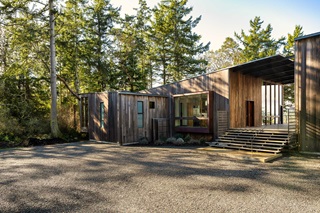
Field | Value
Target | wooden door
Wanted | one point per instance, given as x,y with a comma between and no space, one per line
250,113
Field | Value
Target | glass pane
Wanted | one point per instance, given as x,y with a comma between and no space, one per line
101,114
140,107
140,120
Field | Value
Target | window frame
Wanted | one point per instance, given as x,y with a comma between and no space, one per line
140,114
194,129
101,113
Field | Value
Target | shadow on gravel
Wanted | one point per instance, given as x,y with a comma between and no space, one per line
42,186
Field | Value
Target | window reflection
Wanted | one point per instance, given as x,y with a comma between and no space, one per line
191,110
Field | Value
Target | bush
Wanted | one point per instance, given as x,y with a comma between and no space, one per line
171,140
179,142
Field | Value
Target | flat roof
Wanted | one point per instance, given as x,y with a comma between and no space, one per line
307,36
275,69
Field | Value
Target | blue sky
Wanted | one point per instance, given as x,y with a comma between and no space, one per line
221,18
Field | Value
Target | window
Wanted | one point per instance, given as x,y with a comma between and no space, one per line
140,114
151,105
191,112
84,113
101,114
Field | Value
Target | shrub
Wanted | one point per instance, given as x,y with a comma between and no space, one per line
171,140
179,142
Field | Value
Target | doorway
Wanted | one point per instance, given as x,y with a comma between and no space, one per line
250,113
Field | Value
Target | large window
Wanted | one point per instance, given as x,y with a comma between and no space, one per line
191,112
140,114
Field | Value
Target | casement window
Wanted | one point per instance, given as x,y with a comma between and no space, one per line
101,114
84,113
140,114
192,112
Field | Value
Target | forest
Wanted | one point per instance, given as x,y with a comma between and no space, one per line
52,51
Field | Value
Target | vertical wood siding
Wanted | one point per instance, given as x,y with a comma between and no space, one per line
217,82
244,88
307,95
95,131
129,130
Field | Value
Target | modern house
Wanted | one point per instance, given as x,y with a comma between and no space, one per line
247,96
123,117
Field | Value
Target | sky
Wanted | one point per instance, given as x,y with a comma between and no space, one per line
221,18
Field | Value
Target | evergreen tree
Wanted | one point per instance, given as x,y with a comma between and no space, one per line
100,19
259,42
229,54
175,45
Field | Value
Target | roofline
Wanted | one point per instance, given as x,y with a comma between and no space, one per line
261,59
219,70
307,36
125,93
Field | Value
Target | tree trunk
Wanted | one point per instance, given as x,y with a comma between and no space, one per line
55,132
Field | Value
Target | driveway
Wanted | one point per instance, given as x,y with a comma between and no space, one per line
90,177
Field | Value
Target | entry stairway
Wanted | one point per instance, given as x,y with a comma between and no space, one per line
255,140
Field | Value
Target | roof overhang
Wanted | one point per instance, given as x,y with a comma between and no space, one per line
274,69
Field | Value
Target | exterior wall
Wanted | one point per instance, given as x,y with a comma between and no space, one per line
307,96
95,131
120,116
244,88
129,130
217,82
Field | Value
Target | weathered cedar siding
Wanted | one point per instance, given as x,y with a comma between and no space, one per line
218,82
307,92
129,113
95,131
120,116
244,88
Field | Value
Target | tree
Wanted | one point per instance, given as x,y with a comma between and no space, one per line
229,54
100,18
259,42
55,132
175,45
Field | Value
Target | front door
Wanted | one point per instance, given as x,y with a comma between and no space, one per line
250,113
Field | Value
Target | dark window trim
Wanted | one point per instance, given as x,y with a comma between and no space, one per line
189,129
140,113
101,114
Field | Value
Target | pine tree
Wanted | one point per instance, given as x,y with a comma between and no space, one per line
228,54
175,46
259,42
100,17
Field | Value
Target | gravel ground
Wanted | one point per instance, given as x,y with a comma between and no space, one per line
89,177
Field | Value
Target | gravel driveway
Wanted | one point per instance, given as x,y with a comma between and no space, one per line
90,177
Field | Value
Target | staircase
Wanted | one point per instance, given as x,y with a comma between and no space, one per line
255,140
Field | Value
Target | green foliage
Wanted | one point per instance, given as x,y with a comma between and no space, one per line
259,42
228,55
175,46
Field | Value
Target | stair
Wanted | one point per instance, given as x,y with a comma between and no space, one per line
255,140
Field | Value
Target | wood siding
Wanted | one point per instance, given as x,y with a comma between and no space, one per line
120,116
307,96
217,82
95,131
244,88
129,130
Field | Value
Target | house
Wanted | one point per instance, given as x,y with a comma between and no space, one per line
246,95
124,117
307,91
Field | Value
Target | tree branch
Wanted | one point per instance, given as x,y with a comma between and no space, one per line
66,84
